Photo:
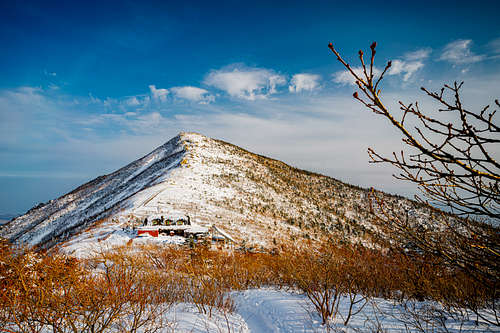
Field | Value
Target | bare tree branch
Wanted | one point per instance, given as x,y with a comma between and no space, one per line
450,156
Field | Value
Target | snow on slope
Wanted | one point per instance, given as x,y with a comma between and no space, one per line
171,180
189,189
95,200
256,200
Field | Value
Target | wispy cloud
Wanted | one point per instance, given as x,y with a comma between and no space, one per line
459,52
158,94
132,101
193,94
410,63
149,121
344,77
419,54
406,66
304,82
246,83
494,46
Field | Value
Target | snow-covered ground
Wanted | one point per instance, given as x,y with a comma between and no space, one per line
270,310
185,318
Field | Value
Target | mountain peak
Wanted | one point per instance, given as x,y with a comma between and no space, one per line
191,135
255,199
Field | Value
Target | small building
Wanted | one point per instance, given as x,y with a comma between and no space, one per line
147,231
157,225
171,230
166,220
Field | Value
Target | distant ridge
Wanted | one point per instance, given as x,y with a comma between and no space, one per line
7,216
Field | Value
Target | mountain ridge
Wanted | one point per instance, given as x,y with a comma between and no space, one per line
66,200
256,198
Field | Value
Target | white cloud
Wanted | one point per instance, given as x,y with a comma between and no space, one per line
419,54
158,94
345,77
458,52
410,63
304,82
132,101
148,121
193,94
406,68
274,81
245,83
92,99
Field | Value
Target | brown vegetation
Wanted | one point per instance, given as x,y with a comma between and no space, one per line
127,289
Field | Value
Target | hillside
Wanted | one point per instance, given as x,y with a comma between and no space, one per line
255,199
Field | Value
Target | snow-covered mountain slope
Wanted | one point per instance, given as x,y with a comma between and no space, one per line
255,199
95,200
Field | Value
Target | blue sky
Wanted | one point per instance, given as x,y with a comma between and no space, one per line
86,87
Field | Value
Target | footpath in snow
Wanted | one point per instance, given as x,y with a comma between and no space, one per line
270,310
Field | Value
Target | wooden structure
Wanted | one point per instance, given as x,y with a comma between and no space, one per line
220,236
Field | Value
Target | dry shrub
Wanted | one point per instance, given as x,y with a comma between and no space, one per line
331,271
53,292
206,276
325,275
38,291
232,270
130,288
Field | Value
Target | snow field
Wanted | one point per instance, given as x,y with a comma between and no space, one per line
271,310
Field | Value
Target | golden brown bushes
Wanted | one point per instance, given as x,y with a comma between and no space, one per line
131,288
332,272
41,291
326,274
